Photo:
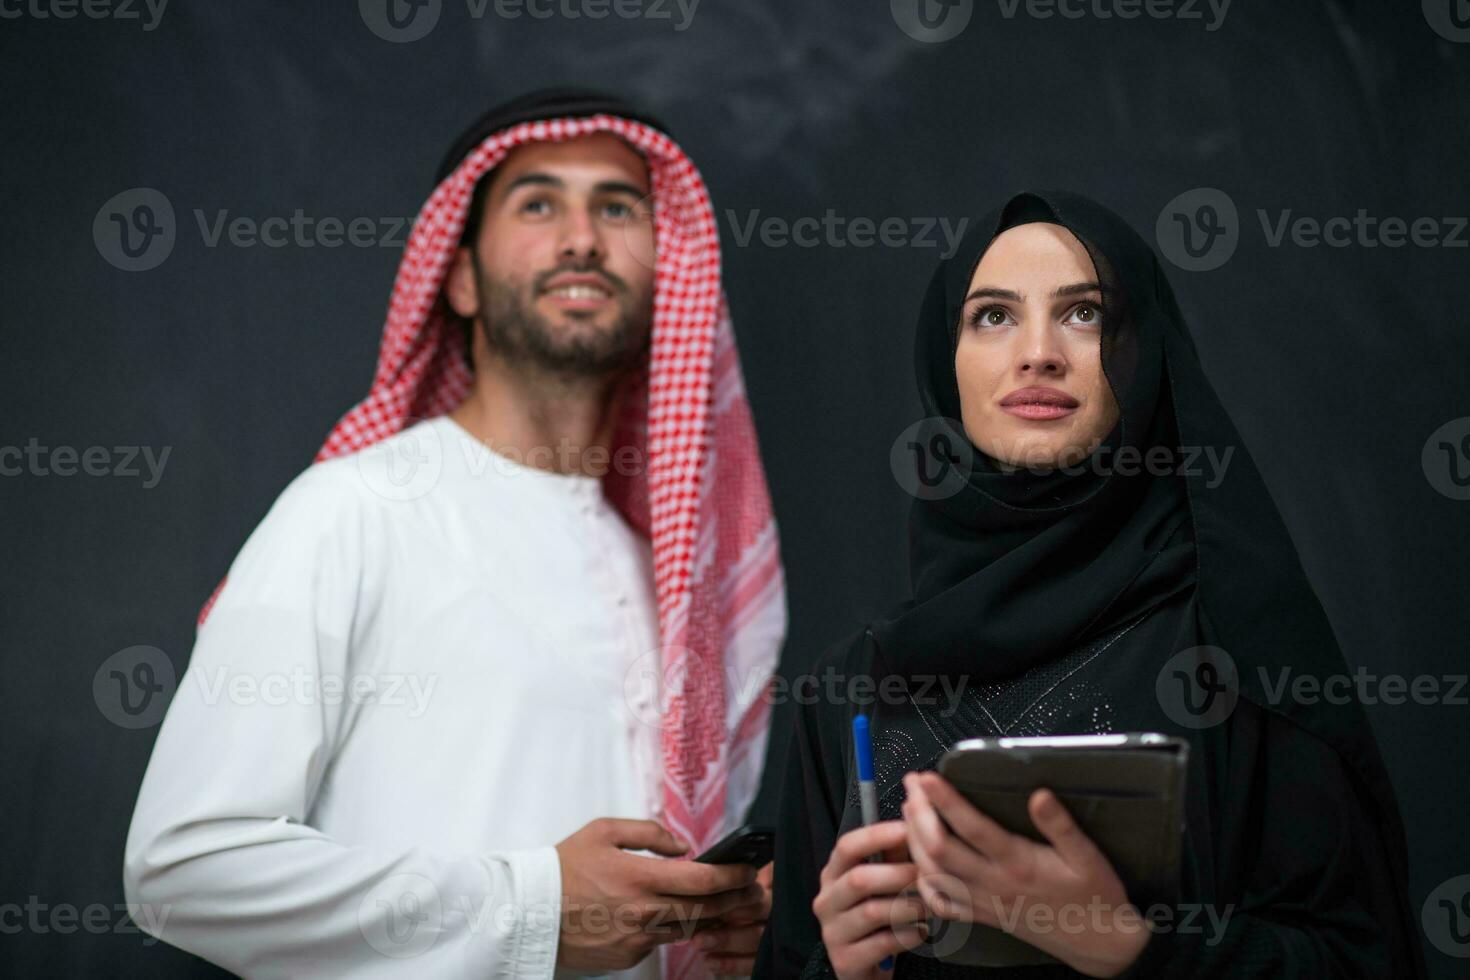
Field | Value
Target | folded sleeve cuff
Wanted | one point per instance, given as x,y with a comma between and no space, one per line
537,873
526,931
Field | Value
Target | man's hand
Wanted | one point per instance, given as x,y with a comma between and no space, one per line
616,906
864,909
731,942
1062,897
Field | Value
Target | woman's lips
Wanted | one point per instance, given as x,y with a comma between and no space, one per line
1039,404
1037,412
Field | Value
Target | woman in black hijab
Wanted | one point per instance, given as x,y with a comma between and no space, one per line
1092,550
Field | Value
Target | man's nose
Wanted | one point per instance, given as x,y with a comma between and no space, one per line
580,238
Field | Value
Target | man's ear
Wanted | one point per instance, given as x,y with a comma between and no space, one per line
459,285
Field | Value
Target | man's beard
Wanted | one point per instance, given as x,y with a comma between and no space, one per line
574,348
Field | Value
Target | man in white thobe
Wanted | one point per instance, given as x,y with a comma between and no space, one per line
422,729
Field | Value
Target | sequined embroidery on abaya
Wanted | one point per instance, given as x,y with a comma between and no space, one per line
1038,702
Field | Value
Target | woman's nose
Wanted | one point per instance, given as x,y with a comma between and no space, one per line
1040,354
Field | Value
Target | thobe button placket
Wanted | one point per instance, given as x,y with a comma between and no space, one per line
637,704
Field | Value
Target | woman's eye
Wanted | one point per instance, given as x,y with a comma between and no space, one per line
990,316
1086,314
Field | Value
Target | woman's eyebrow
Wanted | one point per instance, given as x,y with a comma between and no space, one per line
994,292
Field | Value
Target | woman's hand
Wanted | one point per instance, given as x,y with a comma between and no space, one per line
1063,898
864,914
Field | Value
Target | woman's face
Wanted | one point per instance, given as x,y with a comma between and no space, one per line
1029,359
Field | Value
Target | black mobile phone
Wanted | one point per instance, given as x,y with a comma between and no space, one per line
747,845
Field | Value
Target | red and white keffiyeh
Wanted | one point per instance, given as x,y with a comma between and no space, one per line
701,496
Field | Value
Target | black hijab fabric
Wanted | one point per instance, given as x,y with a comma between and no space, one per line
1018,567
1057,599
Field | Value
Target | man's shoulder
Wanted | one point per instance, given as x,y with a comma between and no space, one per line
325,487
402,467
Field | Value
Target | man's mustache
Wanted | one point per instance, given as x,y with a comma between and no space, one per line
615,284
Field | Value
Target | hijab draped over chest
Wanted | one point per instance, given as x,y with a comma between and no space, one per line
1019,566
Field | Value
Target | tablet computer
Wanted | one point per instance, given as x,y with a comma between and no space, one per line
1126,792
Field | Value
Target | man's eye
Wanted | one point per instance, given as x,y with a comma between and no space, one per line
618,210
536,206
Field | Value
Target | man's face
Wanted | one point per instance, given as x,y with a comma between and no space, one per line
559,274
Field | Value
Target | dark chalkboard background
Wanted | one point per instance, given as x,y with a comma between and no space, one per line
1339,363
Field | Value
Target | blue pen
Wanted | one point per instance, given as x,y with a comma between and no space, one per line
862,741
